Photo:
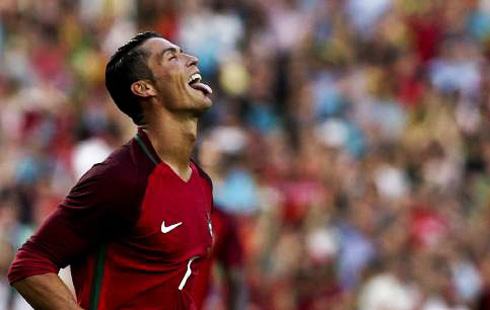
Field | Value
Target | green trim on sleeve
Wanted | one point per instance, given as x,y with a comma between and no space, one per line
97,280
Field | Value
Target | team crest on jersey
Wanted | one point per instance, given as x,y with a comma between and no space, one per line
210,226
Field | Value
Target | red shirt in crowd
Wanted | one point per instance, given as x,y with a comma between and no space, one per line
227,251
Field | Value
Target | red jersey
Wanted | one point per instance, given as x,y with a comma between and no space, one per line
134,233
227,251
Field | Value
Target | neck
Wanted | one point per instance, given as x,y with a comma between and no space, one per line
173,136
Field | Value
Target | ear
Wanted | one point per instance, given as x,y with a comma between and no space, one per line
143,89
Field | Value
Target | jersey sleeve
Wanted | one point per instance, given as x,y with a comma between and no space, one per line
102,206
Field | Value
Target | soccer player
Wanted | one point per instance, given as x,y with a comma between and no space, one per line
136,228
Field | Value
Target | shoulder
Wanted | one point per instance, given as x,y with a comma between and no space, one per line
203,175
206,183
125,168
117,183
111,192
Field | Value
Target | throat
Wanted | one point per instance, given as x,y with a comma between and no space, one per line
173,139
184,174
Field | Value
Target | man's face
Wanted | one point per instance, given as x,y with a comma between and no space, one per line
177,78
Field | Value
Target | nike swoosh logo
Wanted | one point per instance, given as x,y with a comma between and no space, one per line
166,229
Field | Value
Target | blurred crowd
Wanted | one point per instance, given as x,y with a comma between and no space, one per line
350,139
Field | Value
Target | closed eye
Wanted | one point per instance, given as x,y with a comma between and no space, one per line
172,51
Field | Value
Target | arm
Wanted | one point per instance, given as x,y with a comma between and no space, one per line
93,212
46,291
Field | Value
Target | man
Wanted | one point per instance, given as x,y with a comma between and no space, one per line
135,229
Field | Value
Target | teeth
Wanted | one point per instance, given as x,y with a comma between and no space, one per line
195,77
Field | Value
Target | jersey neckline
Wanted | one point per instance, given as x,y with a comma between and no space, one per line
145,144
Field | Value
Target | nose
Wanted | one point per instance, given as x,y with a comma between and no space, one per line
193,61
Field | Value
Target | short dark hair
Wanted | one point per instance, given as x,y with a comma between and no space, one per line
126,66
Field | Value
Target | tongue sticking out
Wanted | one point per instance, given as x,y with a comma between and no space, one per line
202,87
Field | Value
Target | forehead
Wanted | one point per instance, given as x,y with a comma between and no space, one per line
157,45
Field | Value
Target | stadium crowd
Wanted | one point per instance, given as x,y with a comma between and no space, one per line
350,139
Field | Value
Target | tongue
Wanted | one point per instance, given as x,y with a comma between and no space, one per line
202,87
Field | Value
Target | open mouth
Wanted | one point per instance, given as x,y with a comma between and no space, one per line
195,82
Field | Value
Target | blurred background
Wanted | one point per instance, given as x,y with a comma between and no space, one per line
349,141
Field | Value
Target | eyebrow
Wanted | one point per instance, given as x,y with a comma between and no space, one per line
170,49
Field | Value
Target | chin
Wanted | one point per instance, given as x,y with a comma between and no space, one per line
203,107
